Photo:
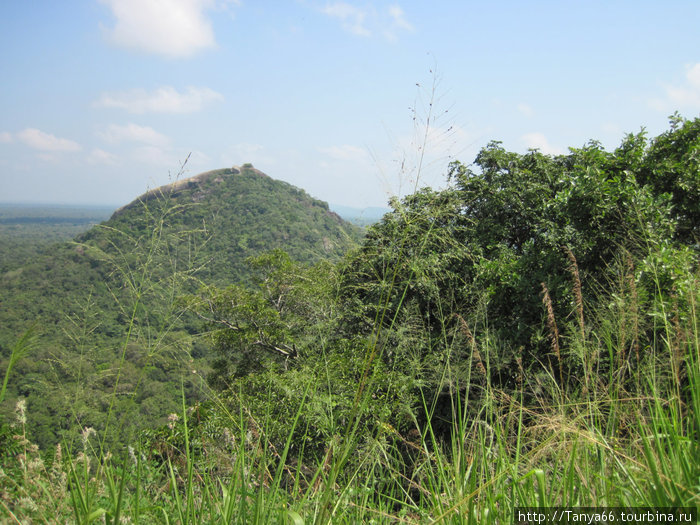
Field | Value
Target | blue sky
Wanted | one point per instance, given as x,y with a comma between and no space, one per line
101,100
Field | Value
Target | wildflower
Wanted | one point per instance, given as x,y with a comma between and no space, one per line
28,503
86,433
36,465
172,419
21,409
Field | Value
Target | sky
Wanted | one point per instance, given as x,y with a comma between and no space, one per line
353,101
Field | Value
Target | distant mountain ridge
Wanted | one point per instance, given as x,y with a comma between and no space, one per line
360,216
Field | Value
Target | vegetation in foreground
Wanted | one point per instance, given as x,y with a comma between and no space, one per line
527,337
112,335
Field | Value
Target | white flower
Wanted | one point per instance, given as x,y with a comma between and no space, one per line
21,409
172,418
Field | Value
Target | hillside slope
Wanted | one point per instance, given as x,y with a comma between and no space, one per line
105,306
242,212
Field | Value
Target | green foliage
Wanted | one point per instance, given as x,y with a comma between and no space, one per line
20,350
28,232
526,337
114,339
272,323
518,249
508,228
277,343
671,166
249,212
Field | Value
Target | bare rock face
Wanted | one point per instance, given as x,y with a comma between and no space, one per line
191,183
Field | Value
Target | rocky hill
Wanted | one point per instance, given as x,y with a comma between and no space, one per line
108,301
241,212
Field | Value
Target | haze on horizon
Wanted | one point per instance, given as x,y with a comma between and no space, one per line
104,99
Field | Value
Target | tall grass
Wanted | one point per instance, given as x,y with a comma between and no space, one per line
609,442
624,433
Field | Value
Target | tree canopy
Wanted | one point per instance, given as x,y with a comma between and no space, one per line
512,257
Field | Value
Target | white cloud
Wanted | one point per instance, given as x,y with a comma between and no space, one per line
687,95
133,133
163,100
693,75
399,18
42,141
682,96
345,152
172,28
367,21
538,141
397,21
351,17
6,138
525,110
100,156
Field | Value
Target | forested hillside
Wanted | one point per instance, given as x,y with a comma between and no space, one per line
27,231
104,306
527,336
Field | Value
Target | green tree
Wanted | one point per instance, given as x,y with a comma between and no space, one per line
510,226
672,166
272,323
